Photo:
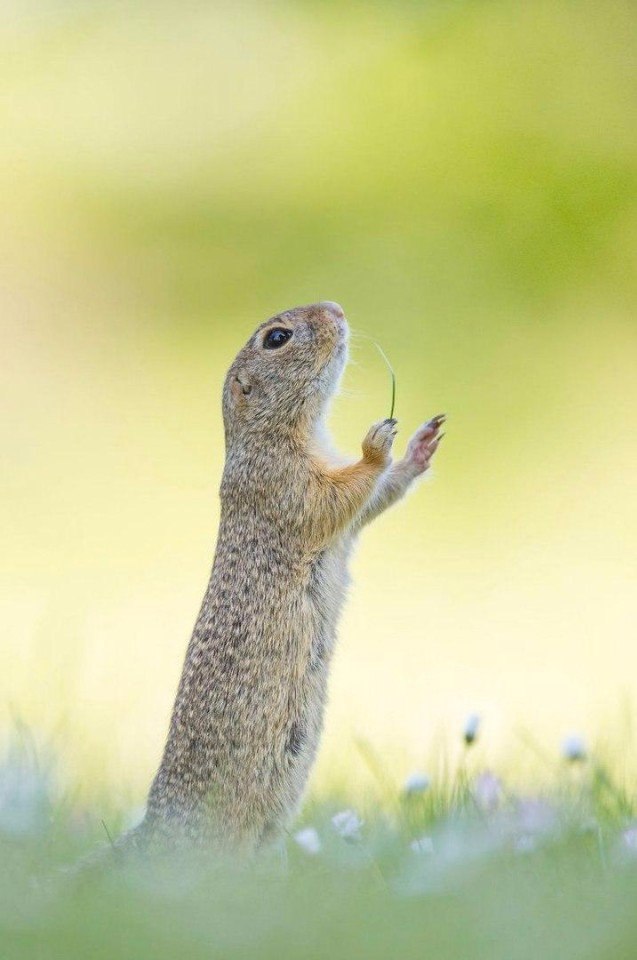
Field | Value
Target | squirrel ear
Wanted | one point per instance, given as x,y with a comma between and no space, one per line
240,388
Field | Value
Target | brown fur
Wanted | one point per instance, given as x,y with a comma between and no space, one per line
249,709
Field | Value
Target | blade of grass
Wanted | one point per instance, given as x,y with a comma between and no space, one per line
389,367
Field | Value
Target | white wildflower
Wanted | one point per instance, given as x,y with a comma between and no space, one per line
487,791
535,816
308,840
416,783
347,824
422,845
574,748
629,840
471,728
525,844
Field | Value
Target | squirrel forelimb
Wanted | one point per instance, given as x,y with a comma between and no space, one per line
340,494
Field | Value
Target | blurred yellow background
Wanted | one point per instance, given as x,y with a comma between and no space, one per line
461,177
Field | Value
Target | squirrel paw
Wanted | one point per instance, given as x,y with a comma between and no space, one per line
424,443
378,442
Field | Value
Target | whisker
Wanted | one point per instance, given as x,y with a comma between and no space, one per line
358,335
347,392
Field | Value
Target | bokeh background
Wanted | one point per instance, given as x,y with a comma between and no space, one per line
461,177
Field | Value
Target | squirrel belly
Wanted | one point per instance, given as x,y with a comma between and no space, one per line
248,713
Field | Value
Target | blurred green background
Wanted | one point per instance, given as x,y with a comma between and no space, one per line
461,177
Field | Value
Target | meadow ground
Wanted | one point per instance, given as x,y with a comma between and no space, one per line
461,867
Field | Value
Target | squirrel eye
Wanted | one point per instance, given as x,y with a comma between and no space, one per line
276,338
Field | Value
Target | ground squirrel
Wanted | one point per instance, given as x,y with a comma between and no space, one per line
249,709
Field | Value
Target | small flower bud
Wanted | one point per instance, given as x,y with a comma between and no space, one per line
471,728
416,783
574,748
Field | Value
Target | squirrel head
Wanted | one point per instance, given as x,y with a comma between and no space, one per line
281,381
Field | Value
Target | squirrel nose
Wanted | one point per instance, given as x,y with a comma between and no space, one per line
334,308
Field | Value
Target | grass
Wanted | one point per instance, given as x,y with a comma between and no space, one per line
465,868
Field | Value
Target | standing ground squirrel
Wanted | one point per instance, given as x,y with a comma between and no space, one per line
249,709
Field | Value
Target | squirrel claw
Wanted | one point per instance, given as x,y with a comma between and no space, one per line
378,442
424,443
